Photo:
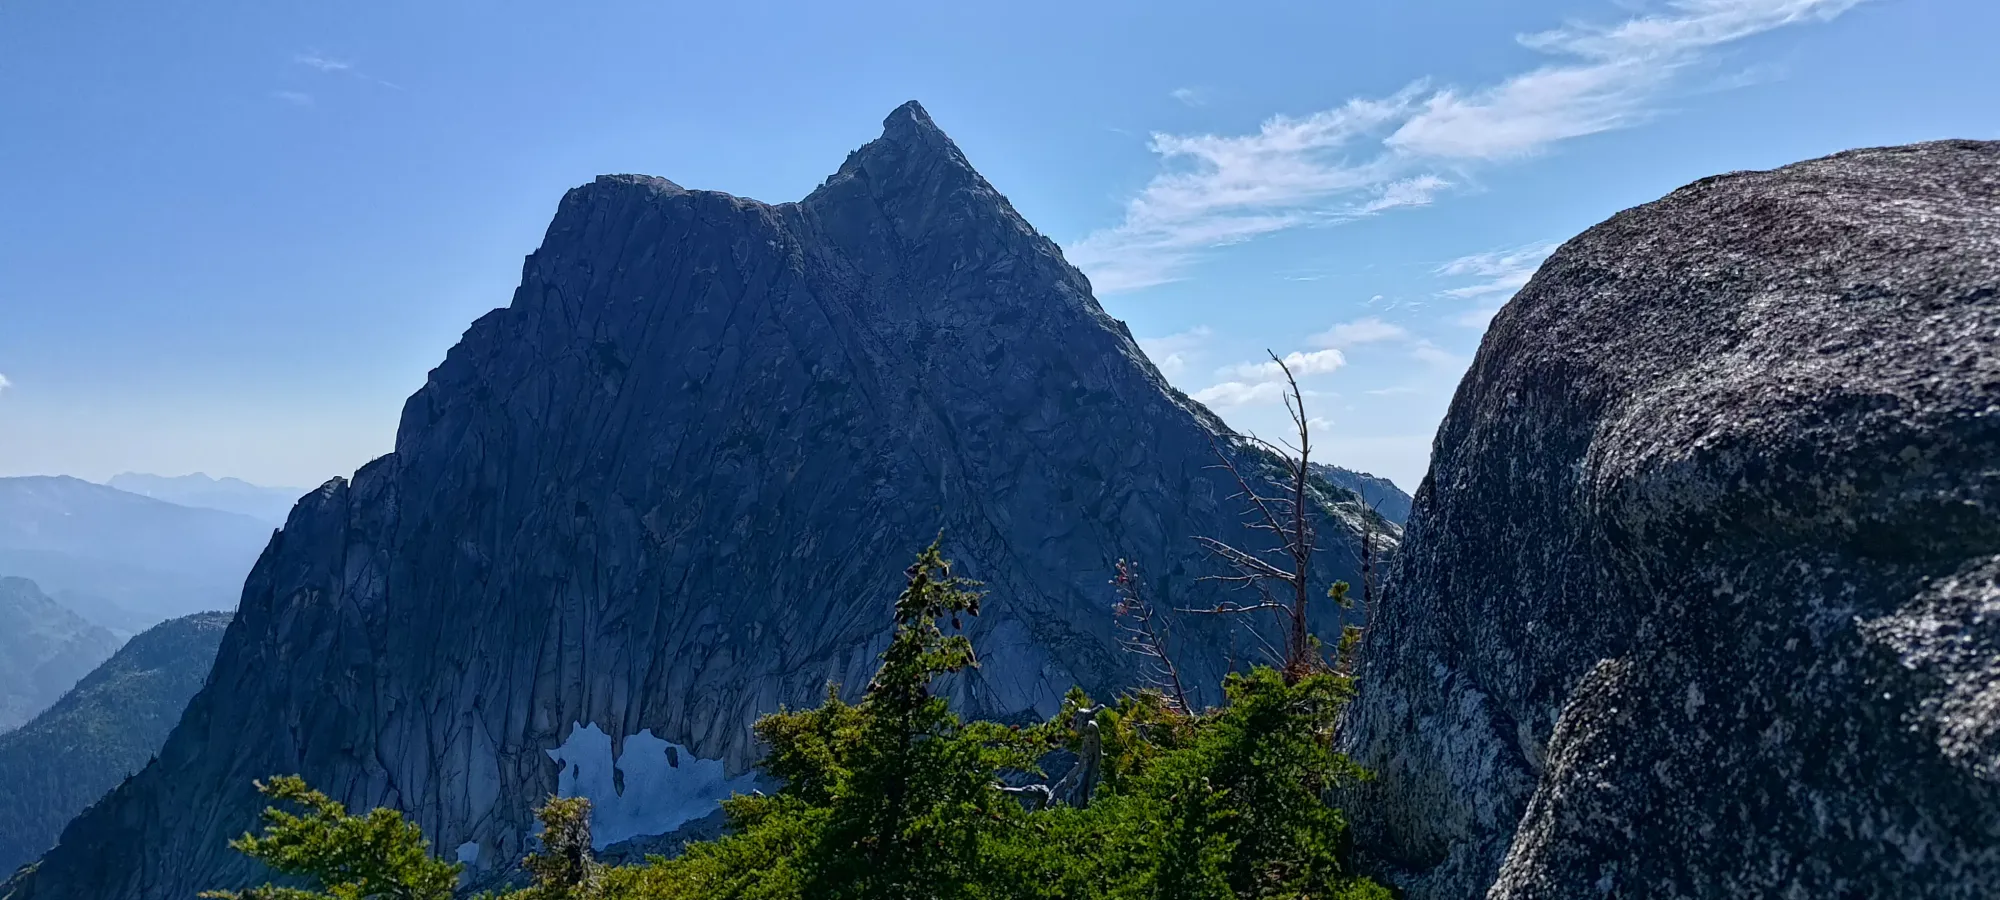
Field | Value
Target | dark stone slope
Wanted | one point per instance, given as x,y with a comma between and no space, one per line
1699,598
105,729
673,486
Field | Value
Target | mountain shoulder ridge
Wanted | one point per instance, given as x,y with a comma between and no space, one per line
44,648
102,730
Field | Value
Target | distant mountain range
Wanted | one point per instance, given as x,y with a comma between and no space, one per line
44,649
122,560
104,729
267,504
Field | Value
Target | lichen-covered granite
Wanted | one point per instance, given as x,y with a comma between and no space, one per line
1699,598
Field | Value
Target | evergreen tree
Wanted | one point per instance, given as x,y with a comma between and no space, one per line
908,789
892,798
378,856
564,869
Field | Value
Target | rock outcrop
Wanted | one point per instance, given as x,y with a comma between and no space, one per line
673,486
1699,598
105,729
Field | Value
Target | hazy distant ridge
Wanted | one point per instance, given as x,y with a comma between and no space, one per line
123,560
270,504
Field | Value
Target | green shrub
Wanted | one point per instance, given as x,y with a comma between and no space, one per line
378,856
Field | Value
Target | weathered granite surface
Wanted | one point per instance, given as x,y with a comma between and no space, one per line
1699,598
674,485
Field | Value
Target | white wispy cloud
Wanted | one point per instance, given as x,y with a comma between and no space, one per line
316,61
1360,331
1370,155
1498,271
295,98
1187,96
1302,364
1238,393
1497,275
340,67
1431,354
1416,191
1262,382
1173,353
1614,76
5,384
1222,190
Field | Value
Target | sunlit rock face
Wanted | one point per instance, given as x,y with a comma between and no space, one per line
1699,598
674,486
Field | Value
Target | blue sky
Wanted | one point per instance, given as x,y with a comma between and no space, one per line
235,235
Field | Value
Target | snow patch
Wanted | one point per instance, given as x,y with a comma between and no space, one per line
654,788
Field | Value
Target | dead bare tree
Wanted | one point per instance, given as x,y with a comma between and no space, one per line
1147,637
1281,579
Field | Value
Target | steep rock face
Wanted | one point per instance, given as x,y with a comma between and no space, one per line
673,486
44,649
1699,598
104,729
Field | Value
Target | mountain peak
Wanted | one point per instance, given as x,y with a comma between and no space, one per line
915,183
910,120
911,148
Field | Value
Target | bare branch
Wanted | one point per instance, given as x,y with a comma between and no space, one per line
1148,638
1272,653
1262,508
1239,558
1227,608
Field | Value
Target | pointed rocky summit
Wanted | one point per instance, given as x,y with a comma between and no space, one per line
673,485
